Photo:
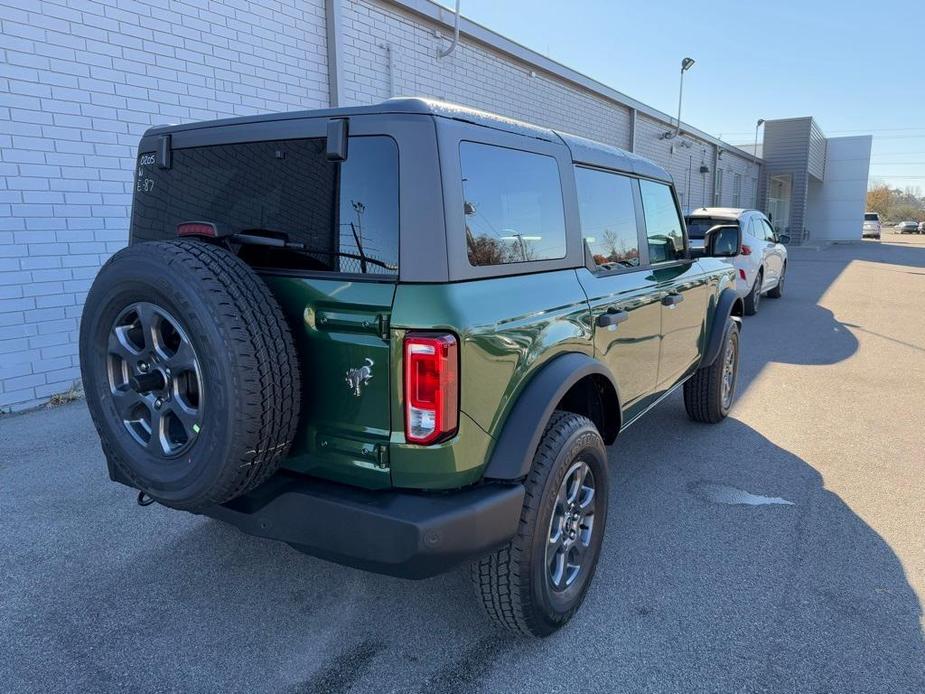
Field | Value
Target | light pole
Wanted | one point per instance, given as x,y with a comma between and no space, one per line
755,151
686,65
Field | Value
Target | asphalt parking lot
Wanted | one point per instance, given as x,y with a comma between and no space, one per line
819,591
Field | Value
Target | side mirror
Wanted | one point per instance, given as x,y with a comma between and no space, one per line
783,238
723,241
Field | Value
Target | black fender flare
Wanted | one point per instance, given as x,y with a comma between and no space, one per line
728,304
514,450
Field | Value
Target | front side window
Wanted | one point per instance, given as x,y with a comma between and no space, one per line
513,205
608,218
664,230
343,217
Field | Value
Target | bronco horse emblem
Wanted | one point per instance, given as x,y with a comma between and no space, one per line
357,378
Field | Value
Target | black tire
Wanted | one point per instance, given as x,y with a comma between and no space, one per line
704,397
754,296
239,372
514,583
778,290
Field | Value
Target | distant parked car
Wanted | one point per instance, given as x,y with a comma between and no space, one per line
871,225
762,261
907,227
922,227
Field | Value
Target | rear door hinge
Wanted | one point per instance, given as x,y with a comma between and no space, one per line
382,455
384,326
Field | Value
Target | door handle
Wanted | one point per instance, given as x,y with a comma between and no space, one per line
672,299
611,318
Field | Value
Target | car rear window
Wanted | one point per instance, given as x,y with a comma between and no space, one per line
697,227
871,217
513,205
345,215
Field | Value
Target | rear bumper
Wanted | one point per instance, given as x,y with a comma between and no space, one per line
406,534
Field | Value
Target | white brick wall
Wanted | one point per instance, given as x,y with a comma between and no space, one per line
473,74
80,80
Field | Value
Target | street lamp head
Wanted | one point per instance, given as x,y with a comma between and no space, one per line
760,121
686,64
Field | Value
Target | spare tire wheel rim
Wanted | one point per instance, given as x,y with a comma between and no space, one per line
155,379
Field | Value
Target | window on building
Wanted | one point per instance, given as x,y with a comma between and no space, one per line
513,205
346,215
608,217
664,230
737,190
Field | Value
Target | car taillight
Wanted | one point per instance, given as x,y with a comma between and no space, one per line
742,274
197,229
746,250
431,387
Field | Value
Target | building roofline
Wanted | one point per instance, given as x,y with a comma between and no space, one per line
436,12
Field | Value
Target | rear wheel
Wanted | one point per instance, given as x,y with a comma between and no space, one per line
778,290
536,583
754,296
709,393
190,372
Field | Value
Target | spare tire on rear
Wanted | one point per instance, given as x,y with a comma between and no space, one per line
190,372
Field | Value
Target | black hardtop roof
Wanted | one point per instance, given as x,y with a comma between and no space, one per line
583,150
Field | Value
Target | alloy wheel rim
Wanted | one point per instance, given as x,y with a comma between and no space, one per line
757,298
155,379
729,371
571,527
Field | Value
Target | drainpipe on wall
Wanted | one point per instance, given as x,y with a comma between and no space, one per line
452,47
333,22
390,66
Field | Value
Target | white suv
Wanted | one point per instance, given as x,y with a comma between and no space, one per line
762,262
871,225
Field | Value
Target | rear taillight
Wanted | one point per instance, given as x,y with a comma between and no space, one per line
742,274
197,229
431,387
746,250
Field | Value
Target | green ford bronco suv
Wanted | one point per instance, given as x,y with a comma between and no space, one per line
400,337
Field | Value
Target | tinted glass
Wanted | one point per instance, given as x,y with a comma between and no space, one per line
768,231
697,227
346,215
871,217
663,224
513,205
608,217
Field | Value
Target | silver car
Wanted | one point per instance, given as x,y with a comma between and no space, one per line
871,225
907,227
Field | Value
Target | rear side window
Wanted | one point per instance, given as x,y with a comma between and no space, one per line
513,205
663,223
608,218
345,215
697,227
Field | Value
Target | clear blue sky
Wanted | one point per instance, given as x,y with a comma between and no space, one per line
857,67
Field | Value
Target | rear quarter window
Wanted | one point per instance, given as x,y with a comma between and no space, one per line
512,205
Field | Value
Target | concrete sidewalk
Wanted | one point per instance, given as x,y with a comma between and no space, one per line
693,593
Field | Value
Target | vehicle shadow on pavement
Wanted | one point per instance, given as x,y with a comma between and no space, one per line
692,593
